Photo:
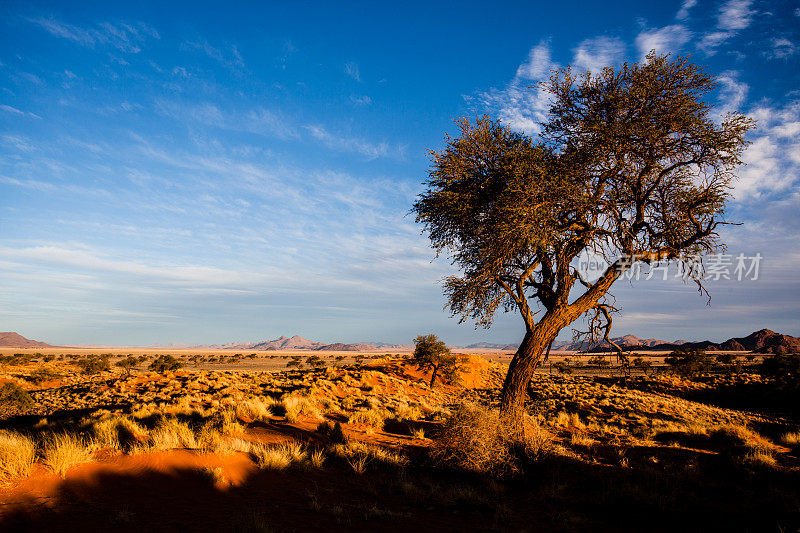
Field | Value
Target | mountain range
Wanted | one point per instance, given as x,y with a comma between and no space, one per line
762,341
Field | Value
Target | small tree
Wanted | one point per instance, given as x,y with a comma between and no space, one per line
690,361
127,364
432,354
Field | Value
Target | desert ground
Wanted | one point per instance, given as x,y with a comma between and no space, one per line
226,441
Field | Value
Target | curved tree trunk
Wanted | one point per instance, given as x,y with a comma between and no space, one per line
515,388
433,375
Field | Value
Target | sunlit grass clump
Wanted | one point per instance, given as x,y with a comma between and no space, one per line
17,453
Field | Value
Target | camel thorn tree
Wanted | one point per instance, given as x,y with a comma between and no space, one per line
630,164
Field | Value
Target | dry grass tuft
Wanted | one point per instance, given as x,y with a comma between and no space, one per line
17,453
64,450
278,457
373,417
791,439
294,406
257,408
170,433
474,439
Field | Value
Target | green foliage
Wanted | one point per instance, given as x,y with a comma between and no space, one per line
14,399
127,364
164,363
689,361
432,354
94,364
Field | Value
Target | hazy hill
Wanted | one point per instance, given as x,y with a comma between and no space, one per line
12,339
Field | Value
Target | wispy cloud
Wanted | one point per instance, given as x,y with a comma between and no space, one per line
733,16
594,54
522,104
125,37
781,48
227,56
351,69
346,143
667,39
15,111
683,12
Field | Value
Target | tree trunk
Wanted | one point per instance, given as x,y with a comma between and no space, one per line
433,375
520,371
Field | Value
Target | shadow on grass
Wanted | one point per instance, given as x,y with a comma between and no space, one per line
559,494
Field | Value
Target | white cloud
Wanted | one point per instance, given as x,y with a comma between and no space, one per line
522,104
732,92
538,65
594,54
686,5
122,36
773,158
669,39
781,48
733,16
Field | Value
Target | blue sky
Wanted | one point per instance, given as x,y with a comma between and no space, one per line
199,173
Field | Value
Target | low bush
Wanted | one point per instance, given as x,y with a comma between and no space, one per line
474,439
164,363
14,399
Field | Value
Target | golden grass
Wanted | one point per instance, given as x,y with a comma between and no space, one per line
294,406
278,457
791,439
17,453
256,408
474,439
64,450
170,433
373,417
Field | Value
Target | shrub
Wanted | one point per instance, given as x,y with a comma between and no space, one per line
598,361
689,362
14,399
474,439
164,363
17,453
42,374
294,406
94,364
